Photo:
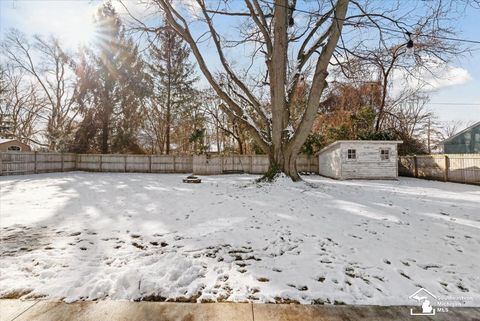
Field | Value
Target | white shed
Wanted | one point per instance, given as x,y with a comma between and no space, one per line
359,159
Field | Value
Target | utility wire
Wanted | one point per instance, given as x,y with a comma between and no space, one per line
404,32
455,104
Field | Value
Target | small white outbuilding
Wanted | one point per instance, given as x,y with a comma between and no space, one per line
359,159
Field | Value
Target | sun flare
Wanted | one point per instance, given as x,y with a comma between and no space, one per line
80,30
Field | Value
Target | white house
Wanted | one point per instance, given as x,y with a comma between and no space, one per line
359,159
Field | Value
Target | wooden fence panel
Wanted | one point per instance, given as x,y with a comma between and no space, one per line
207,165
183,164
137,163
251,164
162,164
89,162
49,162
406,166
260,164
13,163
431,167
69,162
307,164
462,168
17,163
112,163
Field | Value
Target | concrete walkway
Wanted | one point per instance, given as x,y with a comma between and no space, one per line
153,311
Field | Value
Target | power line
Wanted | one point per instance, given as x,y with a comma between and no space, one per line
382,28
455,104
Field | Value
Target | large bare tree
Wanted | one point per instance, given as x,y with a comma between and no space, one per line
285,44
263,107
21,107
50,68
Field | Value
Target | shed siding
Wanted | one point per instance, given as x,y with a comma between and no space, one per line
330,163
368,164
333,160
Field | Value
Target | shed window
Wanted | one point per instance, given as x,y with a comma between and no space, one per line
14,148
384,154
351,154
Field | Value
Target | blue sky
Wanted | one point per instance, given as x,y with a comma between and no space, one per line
70,20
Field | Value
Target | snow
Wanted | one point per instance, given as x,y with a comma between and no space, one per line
131,236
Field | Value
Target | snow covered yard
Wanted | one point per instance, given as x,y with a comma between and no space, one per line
149,236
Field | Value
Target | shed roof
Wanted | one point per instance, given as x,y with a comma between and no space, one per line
360,141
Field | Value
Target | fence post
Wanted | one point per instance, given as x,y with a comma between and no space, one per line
149,163
447,168
76,162
415,166
125,162
174,164
101,163
1,164
35,162
61,155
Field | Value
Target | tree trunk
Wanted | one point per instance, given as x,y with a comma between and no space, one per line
167,131
286,164
169,90
105,137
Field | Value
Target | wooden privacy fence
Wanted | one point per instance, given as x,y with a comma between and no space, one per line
16,163
462,168
252,164
134,163
12,163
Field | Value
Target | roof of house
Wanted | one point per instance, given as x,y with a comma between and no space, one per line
8,140
462,132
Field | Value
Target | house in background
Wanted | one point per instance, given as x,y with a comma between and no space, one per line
13,145
465,142
359,159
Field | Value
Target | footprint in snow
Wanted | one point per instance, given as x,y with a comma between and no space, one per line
299,287
320,279
429,266
404,274
462,287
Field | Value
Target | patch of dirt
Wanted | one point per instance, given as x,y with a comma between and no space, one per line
13,295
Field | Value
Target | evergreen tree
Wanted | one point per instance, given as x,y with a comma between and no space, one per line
175,97
116,85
